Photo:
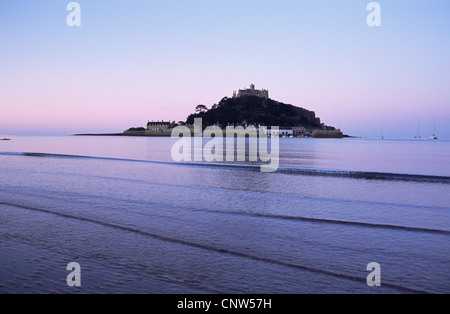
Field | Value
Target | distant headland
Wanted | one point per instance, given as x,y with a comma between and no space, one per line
247,107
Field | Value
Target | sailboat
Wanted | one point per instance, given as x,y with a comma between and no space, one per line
434,136
381,136
418,137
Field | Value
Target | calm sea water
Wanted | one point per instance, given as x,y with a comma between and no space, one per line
137,222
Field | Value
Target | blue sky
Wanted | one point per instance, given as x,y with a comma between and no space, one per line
133,61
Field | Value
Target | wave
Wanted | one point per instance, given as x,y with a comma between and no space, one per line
213,248
335,222
366,175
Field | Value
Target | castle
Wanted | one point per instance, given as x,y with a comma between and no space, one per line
264,93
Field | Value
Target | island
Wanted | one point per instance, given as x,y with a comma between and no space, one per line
246,108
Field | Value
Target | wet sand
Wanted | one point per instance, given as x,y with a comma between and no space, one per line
41,268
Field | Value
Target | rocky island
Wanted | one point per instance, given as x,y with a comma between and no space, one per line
248,107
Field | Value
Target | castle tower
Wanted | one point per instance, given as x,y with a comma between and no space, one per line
252,91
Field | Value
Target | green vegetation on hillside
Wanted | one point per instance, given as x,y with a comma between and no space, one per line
257,111
137,129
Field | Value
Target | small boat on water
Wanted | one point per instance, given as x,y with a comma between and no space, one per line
434,137
418,136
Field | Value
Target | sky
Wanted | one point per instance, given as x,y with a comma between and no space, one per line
138,60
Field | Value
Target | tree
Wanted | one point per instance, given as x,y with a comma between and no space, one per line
255,111
201,109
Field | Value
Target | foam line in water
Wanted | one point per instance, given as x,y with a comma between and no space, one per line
214,249
367,175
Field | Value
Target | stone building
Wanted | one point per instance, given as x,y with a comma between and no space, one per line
263,93
161,128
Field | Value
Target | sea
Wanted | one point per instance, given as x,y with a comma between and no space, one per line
136,221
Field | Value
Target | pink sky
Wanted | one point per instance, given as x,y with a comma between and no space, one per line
126,65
